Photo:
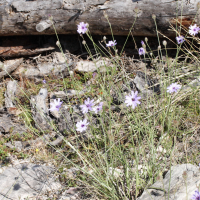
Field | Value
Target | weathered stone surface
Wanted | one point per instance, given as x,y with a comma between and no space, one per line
179,183
92,66
27,180
40,111
10,94
5,124
145,84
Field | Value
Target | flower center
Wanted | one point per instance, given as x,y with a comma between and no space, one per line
57,106
82,27
87,105
133,99
82,125
173,88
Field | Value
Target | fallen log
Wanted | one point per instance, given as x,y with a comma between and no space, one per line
20,17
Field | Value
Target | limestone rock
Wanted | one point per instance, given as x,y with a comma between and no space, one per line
28,180
180,183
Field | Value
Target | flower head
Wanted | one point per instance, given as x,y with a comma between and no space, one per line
82,125
82,28
132,99
87,106
174,87
180,39
193,30
111,43
98,108
142,42
196,195
94,75
55,106
141,51
44,81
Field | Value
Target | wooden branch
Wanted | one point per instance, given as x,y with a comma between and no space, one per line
22,17
43,25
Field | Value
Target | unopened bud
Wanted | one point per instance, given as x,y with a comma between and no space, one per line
84,42
71,73
105,15
146,39
154,16
87,25
159,47
151,54
165,43
198,5
104,38
58,44
136,9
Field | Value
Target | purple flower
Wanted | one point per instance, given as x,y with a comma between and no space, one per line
87,106
132,99
94,75
82,125
111,43
193,30
56,105
174,87
44,81
141,51
196,195
98,108
142,42
82,28
180,39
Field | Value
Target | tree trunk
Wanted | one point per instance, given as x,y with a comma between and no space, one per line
31,17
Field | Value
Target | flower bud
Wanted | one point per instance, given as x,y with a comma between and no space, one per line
159,47
105,15
84,42
104,38
71,73
151,54
58,44
165,43
154,16
198,5
146,39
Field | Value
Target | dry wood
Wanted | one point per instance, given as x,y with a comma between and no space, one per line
9,66
20,17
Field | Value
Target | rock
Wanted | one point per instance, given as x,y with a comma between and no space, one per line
40,111
115,172
66,95
145,84
10,94
184,180
5,124
58,141
64,120
92,66
27,145
70,194
28,180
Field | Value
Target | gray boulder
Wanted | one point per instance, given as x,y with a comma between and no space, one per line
25,181
178,184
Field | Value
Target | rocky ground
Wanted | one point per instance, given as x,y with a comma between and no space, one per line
30,146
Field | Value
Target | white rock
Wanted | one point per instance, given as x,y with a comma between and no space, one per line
90,66
25,181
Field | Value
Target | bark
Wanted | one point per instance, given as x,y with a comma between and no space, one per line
20,17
